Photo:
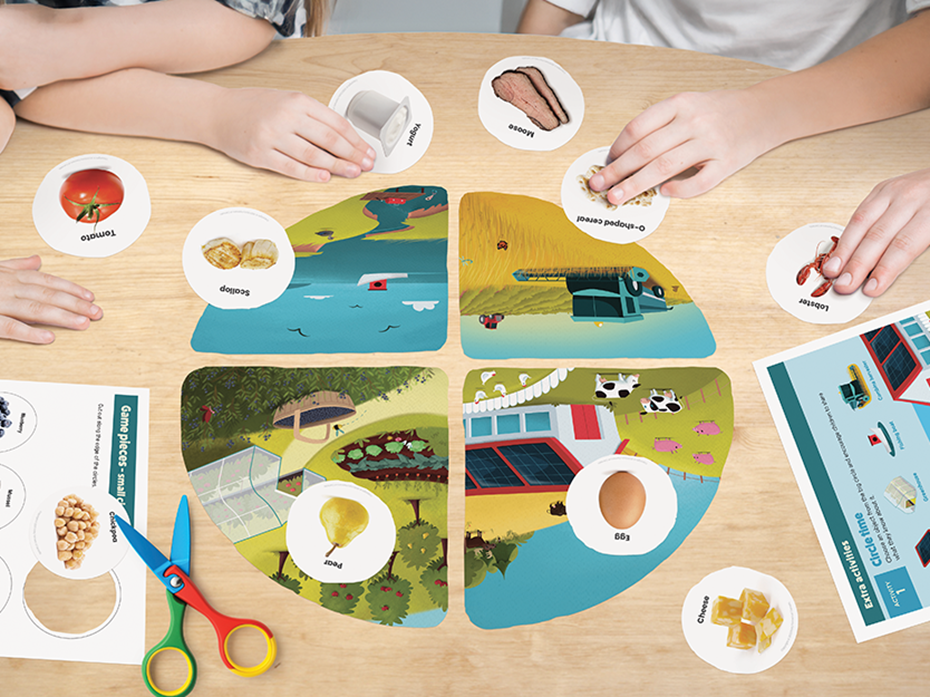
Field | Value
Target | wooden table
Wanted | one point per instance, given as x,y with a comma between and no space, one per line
717,245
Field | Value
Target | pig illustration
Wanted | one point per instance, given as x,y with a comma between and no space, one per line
666,445
703,458
707,428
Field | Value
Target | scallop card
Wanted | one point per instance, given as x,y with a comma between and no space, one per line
794,277
92,206
761,643
238,258
390,114
530,103
586,478
591,212
332,481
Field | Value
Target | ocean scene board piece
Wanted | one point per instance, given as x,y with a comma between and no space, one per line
579,482
533,285
333,482
369,276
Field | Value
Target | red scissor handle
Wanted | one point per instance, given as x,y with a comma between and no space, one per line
223,624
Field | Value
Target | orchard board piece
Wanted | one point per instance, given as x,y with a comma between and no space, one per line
853,413
533,285
547,533
333,482
369,275
92,443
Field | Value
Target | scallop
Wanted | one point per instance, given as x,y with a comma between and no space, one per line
622,499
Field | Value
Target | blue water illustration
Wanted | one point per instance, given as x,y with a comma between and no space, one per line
682,332
325,310
555,574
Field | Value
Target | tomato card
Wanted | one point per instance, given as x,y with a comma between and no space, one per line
92,206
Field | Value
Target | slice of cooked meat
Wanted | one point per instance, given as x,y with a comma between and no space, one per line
542,86
517,89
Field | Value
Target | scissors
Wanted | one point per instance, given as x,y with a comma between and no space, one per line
181,592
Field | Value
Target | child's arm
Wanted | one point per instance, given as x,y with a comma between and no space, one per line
28,296
541,17
719,133
7,123
286,132
889,229
40,45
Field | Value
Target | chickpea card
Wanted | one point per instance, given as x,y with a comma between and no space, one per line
72,457
92,206
853,413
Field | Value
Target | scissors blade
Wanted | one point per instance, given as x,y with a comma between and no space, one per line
153,559
181,537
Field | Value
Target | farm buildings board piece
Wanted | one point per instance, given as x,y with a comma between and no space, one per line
534,285
853,412
333,482
71,456
541,447
369,275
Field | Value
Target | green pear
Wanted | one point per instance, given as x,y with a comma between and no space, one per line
343,520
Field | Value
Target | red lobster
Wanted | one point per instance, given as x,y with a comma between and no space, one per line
817,267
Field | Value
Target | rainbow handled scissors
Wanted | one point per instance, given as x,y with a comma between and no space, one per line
181,592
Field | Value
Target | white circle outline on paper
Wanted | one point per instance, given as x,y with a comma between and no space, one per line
8,515
622,225
792,252
62,233
582,504
709,641
240,225
497,115
104,554
90,632
395,87
362,558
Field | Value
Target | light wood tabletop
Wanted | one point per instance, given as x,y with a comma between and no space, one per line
716,245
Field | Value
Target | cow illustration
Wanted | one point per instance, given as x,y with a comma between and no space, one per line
623,386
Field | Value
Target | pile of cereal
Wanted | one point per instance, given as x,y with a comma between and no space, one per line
77,528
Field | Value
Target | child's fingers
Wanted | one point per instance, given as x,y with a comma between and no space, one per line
19,331
654,118
34,279
676,160
32,263
337,136
38,304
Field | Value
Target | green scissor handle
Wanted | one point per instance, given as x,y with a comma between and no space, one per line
173,641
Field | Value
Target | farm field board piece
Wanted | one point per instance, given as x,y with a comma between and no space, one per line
853,412
579,482
533,285
369,276
333,482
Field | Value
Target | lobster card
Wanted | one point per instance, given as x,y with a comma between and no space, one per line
793,273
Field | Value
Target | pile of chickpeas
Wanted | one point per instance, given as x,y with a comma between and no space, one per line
77,527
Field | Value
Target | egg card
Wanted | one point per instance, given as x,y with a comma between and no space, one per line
586,478
71,458
853,413
367,274
333,482
533,285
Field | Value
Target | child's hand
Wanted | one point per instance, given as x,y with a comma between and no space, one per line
29,296
7,123
888,230
289,133
718,133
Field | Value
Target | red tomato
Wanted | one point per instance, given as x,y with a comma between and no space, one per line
91,195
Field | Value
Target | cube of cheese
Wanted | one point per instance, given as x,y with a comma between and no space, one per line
727,612
742,636
754,605
768,626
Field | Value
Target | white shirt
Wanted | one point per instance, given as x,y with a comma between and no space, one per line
790,34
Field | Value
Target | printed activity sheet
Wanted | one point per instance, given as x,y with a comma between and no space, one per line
853,412
91,444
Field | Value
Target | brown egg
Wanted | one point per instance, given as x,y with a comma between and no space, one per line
622,499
